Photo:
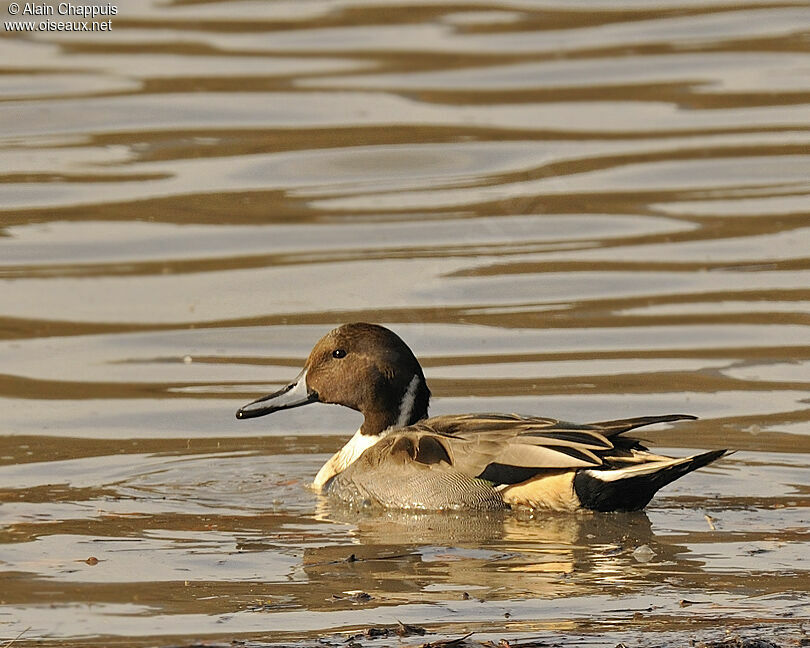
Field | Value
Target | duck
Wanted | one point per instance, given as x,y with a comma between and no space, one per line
400,458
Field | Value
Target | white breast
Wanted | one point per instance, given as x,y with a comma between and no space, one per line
344,457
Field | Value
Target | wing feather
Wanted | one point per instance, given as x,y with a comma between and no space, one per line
476,441
612,428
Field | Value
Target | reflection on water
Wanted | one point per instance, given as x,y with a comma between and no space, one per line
588,212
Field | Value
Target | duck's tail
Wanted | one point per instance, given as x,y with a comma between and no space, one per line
631,488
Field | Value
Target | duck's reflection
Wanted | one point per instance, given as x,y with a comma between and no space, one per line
499,555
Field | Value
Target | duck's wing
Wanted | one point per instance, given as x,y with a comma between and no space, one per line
506,448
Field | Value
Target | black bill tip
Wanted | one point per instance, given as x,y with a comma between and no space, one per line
295,394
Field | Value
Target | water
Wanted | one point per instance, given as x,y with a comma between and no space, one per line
586,211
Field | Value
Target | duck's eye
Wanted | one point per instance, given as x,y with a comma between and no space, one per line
339,353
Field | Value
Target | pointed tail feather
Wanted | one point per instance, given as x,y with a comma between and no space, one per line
631,489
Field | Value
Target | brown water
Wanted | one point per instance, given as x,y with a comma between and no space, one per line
586,210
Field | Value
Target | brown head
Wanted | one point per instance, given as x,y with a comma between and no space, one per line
365,367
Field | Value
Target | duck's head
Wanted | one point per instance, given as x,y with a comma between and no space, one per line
362,366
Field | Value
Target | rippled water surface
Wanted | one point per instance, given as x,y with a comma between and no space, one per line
585,210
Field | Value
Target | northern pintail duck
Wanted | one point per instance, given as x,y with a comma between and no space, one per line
400,458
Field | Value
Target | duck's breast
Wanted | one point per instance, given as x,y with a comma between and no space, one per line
406,471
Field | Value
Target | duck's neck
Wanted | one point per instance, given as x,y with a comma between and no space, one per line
406,408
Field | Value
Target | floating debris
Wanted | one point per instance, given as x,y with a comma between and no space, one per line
408,630
353,596
643,553
447,643
400,630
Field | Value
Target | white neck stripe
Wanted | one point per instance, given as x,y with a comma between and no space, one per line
408,400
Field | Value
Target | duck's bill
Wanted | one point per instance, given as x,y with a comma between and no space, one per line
295,394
